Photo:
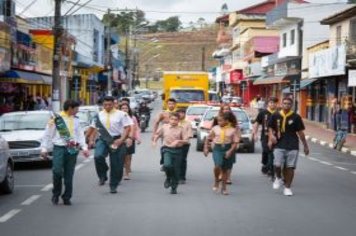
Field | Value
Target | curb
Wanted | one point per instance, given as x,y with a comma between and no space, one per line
330,145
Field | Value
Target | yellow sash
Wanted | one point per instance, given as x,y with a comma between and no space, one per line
70,122
284,121
223,133
107,123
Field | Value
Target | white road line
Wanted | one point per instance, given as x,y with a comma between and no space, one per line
47,188
326,163
30,200
323,143
353,172
341,168
79,166
331,145
30,186
344,150
313,159
314,140
9,215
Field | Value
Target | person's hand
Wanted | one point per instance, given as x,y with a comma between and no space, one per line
138,142
129,142
228,154
44,155
117,143
273,139
175,143
86,153
206,151
270,144
154,143
306,150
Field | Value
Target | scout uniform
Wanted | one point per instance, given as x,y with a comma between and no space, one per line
187,127
222,141
171,154
165,120
63,162
267,154
114,121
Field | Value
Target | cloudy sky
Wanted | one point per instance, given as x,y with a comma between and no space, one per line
188,10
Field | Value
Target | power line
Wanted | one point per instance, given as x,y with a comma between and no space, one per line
75,4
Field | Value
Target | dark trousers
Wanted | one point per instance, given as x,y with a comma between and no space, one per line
102,150
172,164
63,166
183,165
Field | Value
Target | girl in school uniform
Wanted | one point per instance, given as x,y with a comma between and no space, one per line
225,139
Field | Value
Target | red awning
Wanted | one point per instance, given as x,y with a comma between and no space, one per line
261,45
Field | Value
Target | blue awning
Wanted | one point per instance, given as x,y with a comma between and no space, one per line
26,77
303,83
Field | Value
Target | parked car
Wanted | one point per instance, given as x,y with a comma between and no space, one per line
194,113
24,131
146,94
245,125
6,168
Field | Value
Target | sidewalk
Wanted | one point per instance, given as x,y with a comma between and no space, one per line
316,133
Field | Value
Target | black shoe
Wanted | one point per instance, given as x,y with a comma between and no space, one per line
167,183
182,181
102,181
113,190
264,170
162,169
55,200
173,191
67,202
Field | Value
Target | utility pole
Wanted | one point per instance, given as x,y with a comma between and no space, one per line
108,56
203,59
57,33
127,58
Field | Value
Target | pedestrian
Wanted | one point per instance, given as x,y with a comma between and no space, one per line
225,139
267,153
187,127
163,118
174,137
134,137
114,128
117,104
67,136
284,129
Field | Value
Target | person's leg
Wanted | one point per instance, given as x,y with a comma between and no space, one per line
101,167
69,168
264,162
183,169
57,171
176,159
127,165
223,182
117,166
168,167
270,165
291,163
278,163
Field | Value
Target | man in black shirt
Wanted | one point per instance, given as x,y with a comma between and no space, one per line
262,119
285,130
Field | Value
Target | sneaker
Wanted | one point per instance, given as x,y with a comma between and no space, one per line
277,183
287,192
173,191
167,183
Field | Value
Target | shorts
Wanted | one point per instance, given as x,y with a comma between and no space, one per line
132,149
284,157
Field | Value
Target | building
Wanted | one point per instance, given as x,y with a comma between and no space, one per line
299,28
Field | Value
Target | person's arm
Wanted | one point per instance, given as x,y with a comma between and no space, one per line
206,143
157,135
81,140
156,124
47,137
304,141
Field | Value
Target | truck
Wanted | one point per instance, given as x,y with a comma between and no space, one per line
185,87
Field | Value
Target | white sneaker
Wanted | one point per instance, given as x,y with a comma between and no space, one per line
277,183
287,192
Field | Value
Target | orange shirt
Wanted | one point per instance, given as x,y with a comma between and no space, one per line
171,133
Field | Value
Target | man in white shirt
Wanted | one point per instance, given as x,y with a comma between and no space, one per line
65,150
117,126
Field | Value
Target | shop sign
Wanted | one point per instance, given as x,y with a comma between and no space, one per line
44,63
5,45
328,62
352,78
236,76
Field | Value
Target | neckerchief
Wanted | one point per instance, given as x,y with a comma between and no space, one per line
270,111
223,133
70,122
284,120
107,123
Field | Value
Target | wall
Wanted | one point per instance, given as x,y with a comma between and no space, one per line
289,50
345,30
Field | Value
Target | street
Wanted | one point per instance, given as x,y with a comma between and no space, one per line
323,204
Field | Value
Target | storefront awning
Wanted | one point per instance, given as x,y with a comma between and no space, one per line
270,80
303,84
47,79
18,76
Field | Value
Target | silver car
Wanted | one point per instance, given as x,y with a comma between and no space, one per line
24,131
6,168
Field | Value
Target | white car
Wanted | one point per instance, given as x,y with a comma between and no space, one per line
6,168
24,131
194,113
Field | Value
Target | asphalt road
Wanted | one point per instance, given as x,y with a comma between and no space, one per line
323,204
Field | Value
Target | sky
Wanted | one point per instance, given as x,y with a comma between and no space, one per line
187,10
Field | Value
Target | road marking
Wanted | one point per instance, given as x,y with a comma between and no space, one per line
9,215
47,188
344,150
326,163
30,200
323,143
30,186
353,172
353,153
341,168
79,166
314,140
331,145
313,159
307,137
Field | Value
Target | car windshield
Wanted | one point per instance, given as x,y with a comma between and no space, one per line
187,95
213,97
25,121
196,111
240,115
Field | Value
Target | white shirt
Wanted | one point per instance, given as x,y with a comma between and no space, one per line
51,135
118,121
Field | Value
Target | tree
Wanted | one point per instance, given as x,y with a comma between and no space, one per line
351,1
171,24
201,22
124,20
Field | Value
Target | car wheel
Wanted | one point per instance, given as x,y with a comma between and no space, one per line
251,148
7,186
200,145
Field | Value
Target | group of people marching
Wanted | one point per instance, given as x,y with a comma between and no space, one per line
114,132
